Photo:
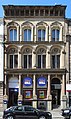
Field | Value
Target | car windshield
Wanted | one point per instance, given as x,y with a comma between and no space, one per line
10,108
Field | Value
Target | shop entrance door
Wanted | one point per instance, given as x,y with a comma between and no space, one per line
55,97
13,97
55,92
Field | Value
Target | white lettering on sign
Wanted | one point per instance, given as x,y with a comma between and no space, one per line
41,82
27,82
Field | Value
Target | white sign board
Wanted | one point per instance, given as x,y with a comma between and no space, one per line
68,87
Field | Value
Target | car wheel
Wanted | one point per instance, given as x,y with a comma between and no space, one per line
42,117
10,117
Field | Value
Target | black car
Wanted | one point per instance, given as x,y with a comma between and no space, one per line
25,112
66,112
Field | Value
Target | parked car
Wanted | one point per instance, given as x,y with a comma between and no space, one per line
66,112
25,112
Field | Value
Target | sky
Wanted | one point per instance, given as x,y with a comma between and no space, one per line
37,2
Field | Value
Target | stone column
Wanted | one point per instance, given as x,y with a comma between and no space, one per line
60,39
50,34
62,60
5,98
19,60
48,64
63,96
19,94
5,59
32,39
34,59
18,33
21,34
49,97
46,35
35,34
34,92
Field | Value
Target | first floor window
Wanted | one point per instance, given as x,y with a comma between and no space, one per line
13,61
41,61
55,61
27,61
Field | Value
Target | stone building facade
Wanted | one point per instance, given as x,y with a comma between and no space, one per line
1,64
35,59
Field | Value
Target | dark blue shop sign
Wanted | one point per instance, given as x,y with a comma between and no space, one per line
5,101
19,101
27,81
42,81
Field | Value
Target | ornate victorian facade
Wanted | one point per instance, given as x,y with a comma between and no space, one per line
35,65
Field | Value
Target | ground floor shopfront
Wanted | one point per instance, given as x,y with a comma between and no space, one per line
41,90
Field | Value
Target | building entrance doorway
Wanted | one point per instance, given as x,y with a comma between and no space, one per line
55,92
13,97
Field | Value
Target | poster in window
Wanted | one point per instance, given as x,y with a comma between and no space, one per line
41,94
27,94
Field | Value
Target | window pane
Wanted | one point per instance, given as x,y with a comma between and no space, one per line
53,35
25,61
43,61
43,35
15,35
53,61
39,35
11,35
30,61
25,35
29,35
15,61
58,61
39,61
11,61
57,35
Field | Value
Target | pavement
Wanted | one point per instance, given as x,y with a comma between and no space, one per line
56,114
1,115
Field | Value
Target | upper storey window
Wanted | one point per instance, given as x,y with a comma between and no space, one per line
41,35
13,35
55,35
55,58
27,35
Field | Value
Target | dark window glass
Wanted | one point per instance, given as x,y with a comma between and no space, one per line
44,61
39,61
25,61
11,61
15,60
30,60
56,61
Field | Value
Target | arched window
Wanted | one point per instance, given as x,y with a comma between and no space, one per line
55,58
41,34
27,34
41,58
13,58
27,58
55,34
13,34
